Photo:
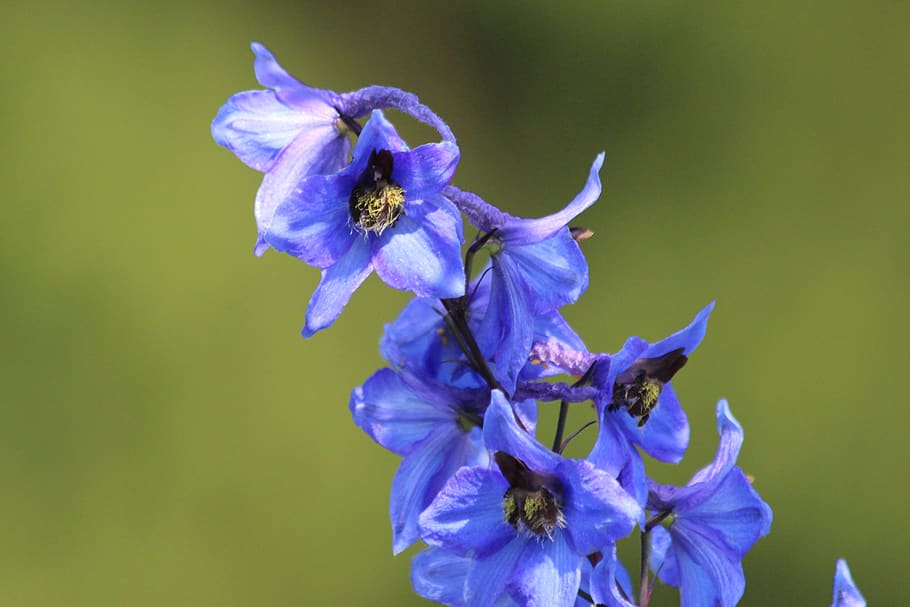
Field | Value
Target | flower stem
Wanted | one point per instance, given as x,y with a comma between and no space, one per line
644,593
560,425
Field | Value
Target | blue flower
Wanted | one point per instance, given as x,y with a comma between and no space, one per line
537,267
383,212
292,130
435,427
713,521
636,404
529,523
846,594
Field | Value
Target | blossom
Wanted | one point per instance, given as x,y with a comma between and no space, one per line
528,523
435,427
290,130
384,211
846,594
537,267
636,403
712,522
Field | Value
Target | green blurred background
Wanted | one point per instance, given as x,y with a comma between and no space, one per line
168,438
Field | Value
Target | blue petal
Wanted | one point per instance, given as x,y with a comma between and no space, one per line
439,576
377,134
393,414
598,511
467,514
609,581
733,515
706,480
425,170
421,253
489,575
271,75
423,473
554,270
256,126
846,594
337,285
501,433
507,328
315,151
312,223
708,574
548,573
687,338
526,231
614,454
663,559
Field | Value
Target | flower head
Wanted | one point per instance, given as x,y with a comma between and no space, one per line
383,212
290,130
537,267
712,522
435,427
530,521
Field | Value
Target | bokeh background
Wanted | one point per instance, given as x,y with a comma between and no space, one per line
168,438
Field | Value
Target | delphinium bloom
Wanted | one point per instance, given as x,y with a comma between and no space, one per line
846,594
529,522
435,427
537,267
710,525
636,404
290,130
383,212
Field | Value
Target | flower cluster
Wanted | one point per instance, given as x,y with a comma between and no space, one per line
506,519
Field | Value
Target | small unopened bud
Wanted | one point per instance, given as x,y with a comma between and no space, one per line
579,233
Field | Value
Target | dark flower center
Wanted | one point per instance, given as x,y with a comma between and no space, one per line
638,388
376,201
528,505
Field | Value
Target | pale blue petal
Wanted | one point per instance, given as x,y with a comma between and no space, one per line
609,581
304,98
337,285
554,270
489,575
421,253
507,328
439,576
687,338
377,134
598,511
393,414
732,514
526,231
467,515
501,433
313,222
423,473
548,574
425,170
315,151
256,126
